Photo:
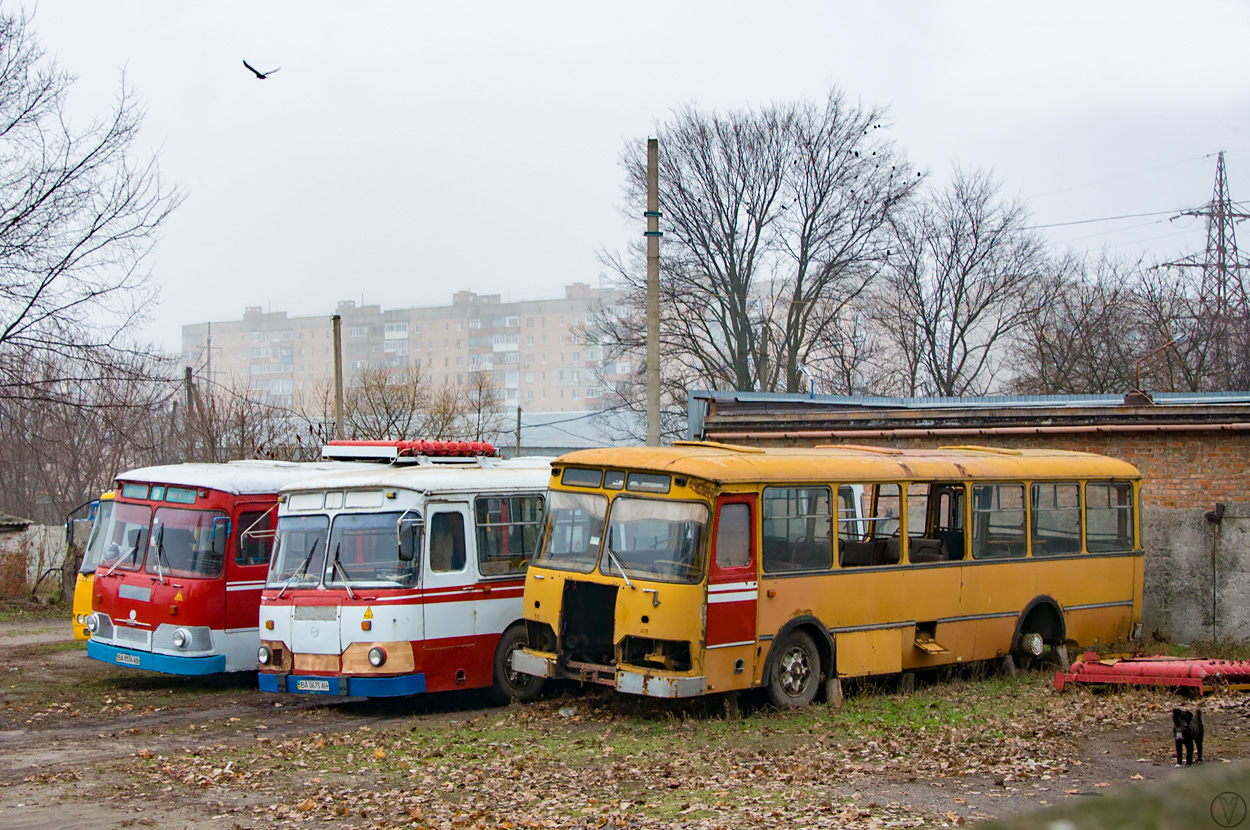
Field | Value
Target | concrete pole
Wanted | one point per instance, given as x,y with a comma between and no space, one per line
653,292
336,323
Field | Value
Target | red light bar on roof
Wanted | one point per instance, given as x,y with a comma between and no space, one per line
391,450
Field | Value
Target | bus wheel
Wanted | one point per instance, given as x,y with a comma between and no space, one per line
509,684
796,672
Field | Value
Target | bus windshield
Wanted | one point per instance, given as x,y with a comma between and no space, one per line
182,543
573,531
301,555
101,530
126,539
364,549
656,539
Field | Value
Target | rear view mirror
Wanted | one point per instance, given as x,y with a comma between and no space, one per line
409,539
221,533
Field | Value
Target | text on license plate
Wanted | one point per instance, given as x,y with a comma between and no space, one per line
312,685
128,659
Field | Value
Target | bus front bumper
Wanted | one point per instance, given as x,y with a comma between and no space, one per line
164,663
629,681
408,684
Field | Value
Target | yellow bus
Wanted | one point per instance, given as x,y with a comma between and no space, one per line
81,608
706,568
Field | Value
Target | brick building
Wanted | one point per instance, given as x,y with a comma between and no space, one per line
1192,450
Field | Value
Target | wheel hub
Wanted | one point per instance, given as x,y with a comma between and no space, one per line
795,671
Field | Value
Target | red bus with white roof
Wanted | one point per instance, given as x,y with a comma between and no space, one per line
404,578
184,559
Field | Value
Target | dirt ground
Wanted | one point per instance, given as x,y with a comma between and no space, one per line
87,745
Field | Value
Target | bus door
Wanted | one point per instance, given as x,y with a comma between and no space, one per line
247,564
447,583
732,594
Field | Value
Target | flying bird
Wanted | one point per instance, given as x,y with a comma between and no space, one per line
260,75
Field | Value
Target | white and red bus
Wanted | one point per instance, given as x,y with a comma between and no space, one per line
404,578
183,564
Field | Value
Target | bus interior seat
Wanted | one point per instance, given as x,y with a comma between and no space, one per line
952,541
811,555
923,549
890,552
857,554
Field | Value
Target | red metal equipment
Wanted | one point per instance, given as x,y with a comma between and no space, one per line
1157,671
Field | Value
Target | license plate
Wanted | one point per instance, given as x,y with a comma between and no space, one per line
312,685
128,659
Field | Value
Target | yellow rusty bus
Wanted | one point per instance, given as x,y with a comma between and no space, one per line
91,557
706,568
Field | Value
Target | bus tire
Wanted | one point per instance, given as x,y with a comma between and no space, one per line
795,677
509,685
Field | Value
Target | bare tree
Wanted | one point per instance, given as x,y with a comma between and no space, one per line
774,223
483,408
79,212
1088,338
965,276
226,424
64,450
382,403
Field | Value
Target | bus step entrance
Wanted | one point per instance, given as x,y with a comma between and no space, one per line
930,645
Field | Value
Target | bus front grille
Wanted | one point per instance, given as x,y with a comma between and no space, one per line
587,622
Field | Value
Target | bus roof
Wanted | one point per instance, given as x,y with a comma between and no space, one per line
727,464
490,473
235,477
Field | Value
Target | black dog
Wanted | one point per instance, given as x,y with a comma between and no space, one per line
1187,729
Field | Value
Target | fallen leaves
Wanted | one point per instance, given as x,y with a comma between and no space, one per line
617,764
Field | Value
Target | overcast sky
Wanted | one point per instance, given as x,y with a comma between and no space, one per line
407,150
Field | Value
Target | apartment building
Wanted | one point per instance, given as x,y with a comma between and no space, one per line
536,351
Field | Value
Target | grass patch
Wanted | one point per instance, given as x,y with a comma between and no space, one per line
21,610
1189,800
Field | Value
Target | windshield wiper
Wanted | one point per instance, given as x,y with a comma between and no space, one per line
160,554
130,555
301,569
612,555
338,566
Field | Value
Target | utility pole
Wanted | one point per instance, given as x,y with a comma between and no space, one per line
336,323
653,235
1223,305
189,392
518,429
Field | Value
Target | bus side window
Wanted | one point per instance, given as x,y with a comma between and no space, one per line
798,528
1108,516
447,552
255,544
733,536
850,527
998,521
880,544
508,528
1056,518
947,515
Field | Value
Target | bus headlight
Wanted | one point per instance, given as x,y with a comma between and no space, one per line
377,656
80,619
92,623
182,637
263,656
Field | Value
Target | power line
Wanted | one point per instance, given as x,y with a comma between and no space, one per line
1104,219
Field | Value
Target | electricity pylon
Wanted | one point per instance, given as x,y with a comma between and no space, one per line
1221,342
